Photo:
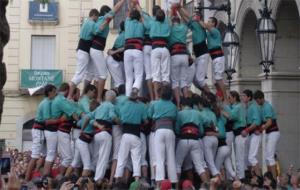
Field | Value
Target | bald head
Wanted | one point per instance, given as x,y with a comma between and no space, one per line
110,95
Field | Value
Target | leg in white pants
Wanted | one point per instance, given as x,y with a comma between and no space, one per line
147,61
247,146
82,62
160,65
116,138
239,145
84,154
99,63
129,144
152,153
201,64
165,150
38,144
210,150
223,157
191,71
134,69
218,65
51,143
116,70
271,144
202,153
253,148
144,149
179,68
64,147
105,141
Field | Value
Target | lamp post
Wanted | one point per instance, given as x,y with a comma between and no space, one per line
230,41
266,34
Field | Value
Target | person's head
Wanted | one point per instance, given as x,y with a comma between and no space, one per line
50,91
197,17
94,14
295,180
166,92
256,181
186,102
259,97
90,91
195,99
234,97
269,181
122,26
283,180
135,15
121,89
247,96
104,10
110,96
187,185
154,9
203,103
166,185
134,95
64,89
76,94
212,22
160,15
176,20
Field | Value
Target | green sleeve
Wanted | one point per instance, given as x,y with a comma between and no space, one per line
66,107
234,113
268,112
256,116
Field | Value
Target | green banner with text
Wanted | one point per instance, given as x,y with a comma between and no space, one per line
31,78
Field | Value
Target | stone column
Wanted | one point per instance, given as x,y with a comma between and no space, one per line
282,90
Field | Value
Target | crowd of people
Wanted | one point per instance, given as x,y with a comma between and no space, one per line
167,138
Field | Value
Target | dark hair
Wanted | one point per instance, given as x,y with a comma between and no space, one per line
64,87
214,20
143,99
104,10
166,92
94,12
160,15
155,9
93,105
204,102
211,98
75,91
135,15
259,95
235,95
121,89
248,93
122,26
186,102
89,87
176,19
195,99
271,178
48,88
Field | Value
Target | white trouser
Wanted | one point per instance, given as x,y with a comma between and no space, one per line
129,144
223,157
98,64
91,72
104,140
218,66
254,144
202,158
179,66
239,146
64,148
190,147
191,71
210,150
75,136
82,154
38,143
247,145
134,69
83,59
51,143
152,153
229,142
271,144
160,65
147,61
144,149
165,150
116,139
201,64
116,70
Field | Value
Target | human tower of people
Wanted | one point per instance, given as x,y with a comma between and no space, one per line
168,132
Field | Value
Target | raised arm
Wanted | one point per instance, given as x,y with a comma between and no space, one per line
118,6
184,14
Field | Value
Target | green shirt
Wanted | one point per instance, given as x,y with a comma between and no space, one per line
134,29
106,111
132,112
60,105
221,122
120,41
237,113
96,29
189,115
159,29
84,104
120,100
198,32
43,110
89,128
178,34
162,109
86,30
147,22
267,112
209,117
214,39
253,114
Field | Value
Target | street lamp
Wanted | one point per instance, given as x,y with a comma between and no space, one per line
230,41
266,34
